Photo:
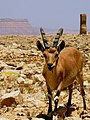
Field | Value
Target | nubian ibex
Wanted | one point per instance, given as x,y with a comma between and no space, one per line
63,65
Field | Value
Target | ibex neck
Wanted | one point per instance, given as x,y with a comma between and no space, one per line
51,77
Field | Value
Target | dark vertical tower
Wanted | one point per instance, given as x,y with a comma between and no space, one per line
83,27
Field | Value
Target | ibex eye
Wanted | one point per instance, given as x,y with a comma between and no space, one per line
44,55
56,55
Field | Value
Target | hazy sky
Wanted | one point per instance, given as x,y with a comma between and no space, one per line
47,13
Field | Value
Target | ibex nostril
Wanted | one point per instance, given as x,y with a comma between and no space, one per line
50,65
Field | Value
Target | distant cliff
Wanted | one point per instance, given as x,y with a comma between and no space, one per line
16,27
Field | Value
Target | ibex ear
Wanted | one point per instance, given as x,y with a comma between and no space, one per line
61,46
40,46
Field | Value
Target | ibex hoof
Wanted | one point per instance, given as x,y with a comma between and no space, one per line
55,117
56,99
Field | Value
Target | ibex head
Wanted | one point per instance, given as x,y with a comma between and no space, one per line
51,53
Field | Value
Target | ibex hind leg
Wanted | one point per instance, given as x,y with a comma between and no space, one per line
69,99
80,80
70,95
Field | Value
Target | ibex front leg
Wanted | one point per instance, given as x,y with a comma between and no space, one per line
50,101
56,99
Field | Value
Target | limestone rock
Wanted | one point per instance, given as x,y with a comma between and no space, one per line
33,118
39,77
3,118
20,80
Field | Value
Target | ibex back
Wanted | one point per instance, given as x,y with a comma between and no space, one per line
62,66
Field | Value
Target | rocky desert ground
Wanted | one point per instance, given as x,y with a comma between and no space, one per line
23,92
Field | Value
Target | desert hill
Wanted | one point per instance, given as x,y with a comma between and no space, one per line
16,27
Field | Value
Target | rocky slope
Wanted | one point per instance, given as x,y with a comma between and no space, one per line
23,92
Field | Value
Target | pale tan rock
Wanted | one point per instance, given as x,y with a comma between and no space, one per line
3,118
39,77
72,118
37,118
20,80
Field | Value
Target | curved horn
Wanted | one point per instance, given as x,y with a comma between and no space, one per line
59,33
46,45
